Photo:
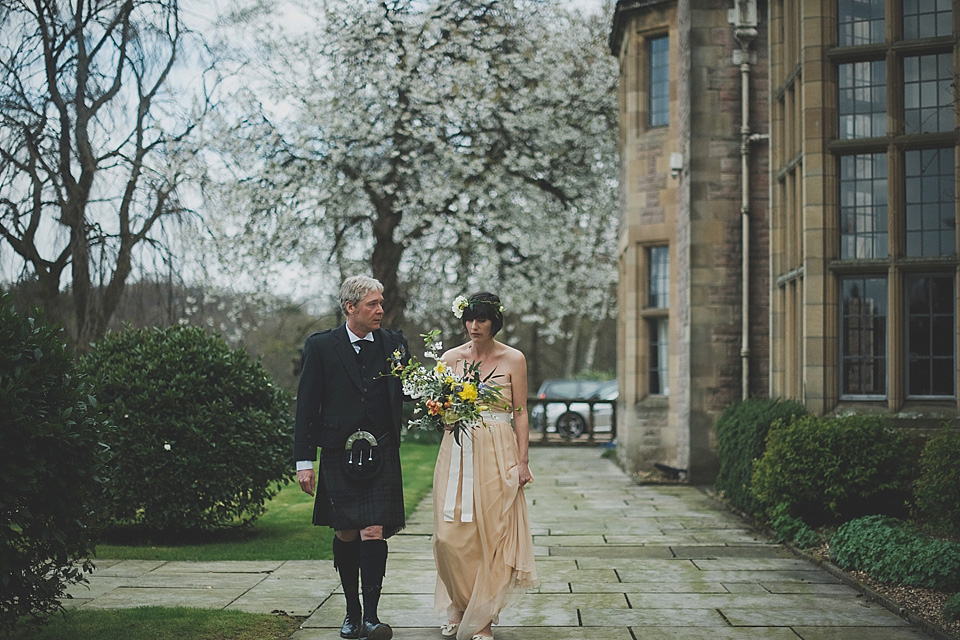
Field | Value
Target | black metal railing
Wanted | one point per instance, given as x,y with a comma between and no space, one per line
572,419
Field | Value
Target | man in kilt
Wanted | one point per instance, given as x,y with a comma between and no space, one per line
348,406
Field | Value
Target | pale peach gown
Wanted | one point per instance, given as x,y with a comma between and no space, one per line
484,553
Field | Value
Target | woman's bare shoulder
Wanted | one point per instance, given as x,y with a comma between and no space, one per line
512,353
514,359
454,354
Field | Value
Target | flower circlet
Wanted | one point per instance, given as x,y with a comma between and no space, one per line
460,303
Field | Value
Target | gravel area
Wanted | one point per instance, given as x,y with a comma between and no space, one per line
924,603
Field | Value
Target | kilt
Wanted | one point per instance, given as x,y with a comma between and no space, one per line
344,503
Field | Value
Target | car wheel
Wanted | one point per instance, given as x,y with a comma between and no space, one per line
571,425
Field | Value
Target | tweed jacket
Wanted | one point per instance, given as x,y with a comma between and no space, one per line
330,395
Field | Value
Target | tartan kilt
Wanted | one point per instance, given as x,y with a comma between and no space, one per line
345,503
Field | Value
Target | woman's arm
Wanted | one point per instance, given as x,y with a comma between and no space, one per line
521,422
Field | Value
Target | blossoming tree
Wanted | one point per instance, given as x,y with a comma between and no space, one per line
436,145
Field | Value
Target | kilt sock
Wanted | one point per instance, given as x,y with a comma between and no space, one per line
346,560
373,566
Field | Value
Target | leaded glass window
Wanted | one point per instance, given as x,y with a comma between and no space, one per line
927,18
863,336
659,278
930,216
862,88
863,206
928,93
860,22
930,335
659,86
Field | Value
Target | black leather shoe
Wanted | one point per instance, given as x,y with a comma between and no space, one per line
375,631
351,627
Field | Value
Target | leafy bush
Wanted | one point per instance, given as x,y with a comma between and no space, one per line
951,608
830,470
51,482
741,439
203,436
937,490
893,551
786,528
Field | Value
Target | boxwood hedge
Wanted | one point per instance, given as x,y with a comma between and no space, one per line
830,470
741,439
937,490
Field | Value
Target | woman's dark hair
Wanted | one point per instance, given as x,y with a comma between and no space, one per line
484,306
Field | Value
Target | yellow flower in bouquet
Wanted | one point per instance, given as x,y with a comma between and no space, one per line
469,392
445,399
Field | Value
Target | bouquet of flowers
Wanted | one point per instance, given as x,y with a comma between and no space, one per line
445,399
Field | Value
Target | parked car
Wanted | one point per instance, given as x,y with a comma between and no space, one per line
571,422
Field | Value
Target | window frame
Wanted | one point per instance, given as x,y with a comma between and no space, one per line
652,314
662,85
897,266
907,341
842,357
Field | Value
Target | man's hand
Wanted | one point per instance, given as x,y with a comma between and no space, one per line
308,480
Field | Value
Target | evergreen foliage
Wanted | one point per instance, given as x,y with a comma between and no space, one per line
951,608
51,463
890,550
203,438
830,470
937,491
741,439
787,528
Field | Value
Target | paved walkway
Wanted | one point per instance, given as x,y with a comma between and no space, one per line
616,561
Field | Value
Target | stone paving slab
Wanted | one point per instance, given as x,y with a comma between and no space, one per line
842,614
654,617
872,633
611,551
616,561
174,596
126,568
231,567
291,596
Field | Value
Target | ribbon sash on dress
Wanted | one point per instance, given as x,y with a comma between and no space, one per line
460,454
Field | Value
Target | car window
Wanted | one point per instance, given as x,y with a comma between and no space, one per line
568,388
607,391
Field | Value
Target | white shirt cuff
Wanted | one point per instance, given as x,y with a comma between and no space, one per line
304,464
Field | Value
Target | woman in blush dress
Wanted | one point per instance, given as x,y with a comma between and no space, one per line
482,543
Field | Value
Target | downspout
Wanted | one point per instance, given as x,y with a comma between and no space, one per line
744,19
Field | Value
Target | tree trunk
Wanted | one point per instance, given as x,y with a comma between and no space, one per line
570,367
589,357
385,264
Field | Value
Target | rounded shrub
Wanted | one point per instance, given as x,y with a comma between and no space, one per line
830,470
741,439
937,490
203,438
893,551
51,467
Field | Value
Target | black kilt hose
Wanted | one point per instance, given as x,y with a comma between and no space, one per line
340,393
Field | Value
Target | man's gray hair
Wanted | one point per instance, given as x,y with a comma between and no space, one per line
355,288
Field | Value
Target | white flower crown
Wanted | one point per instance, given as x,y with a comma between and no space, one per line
460,303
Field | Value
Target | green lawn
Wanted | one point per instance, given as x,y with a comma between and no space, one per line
284,532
